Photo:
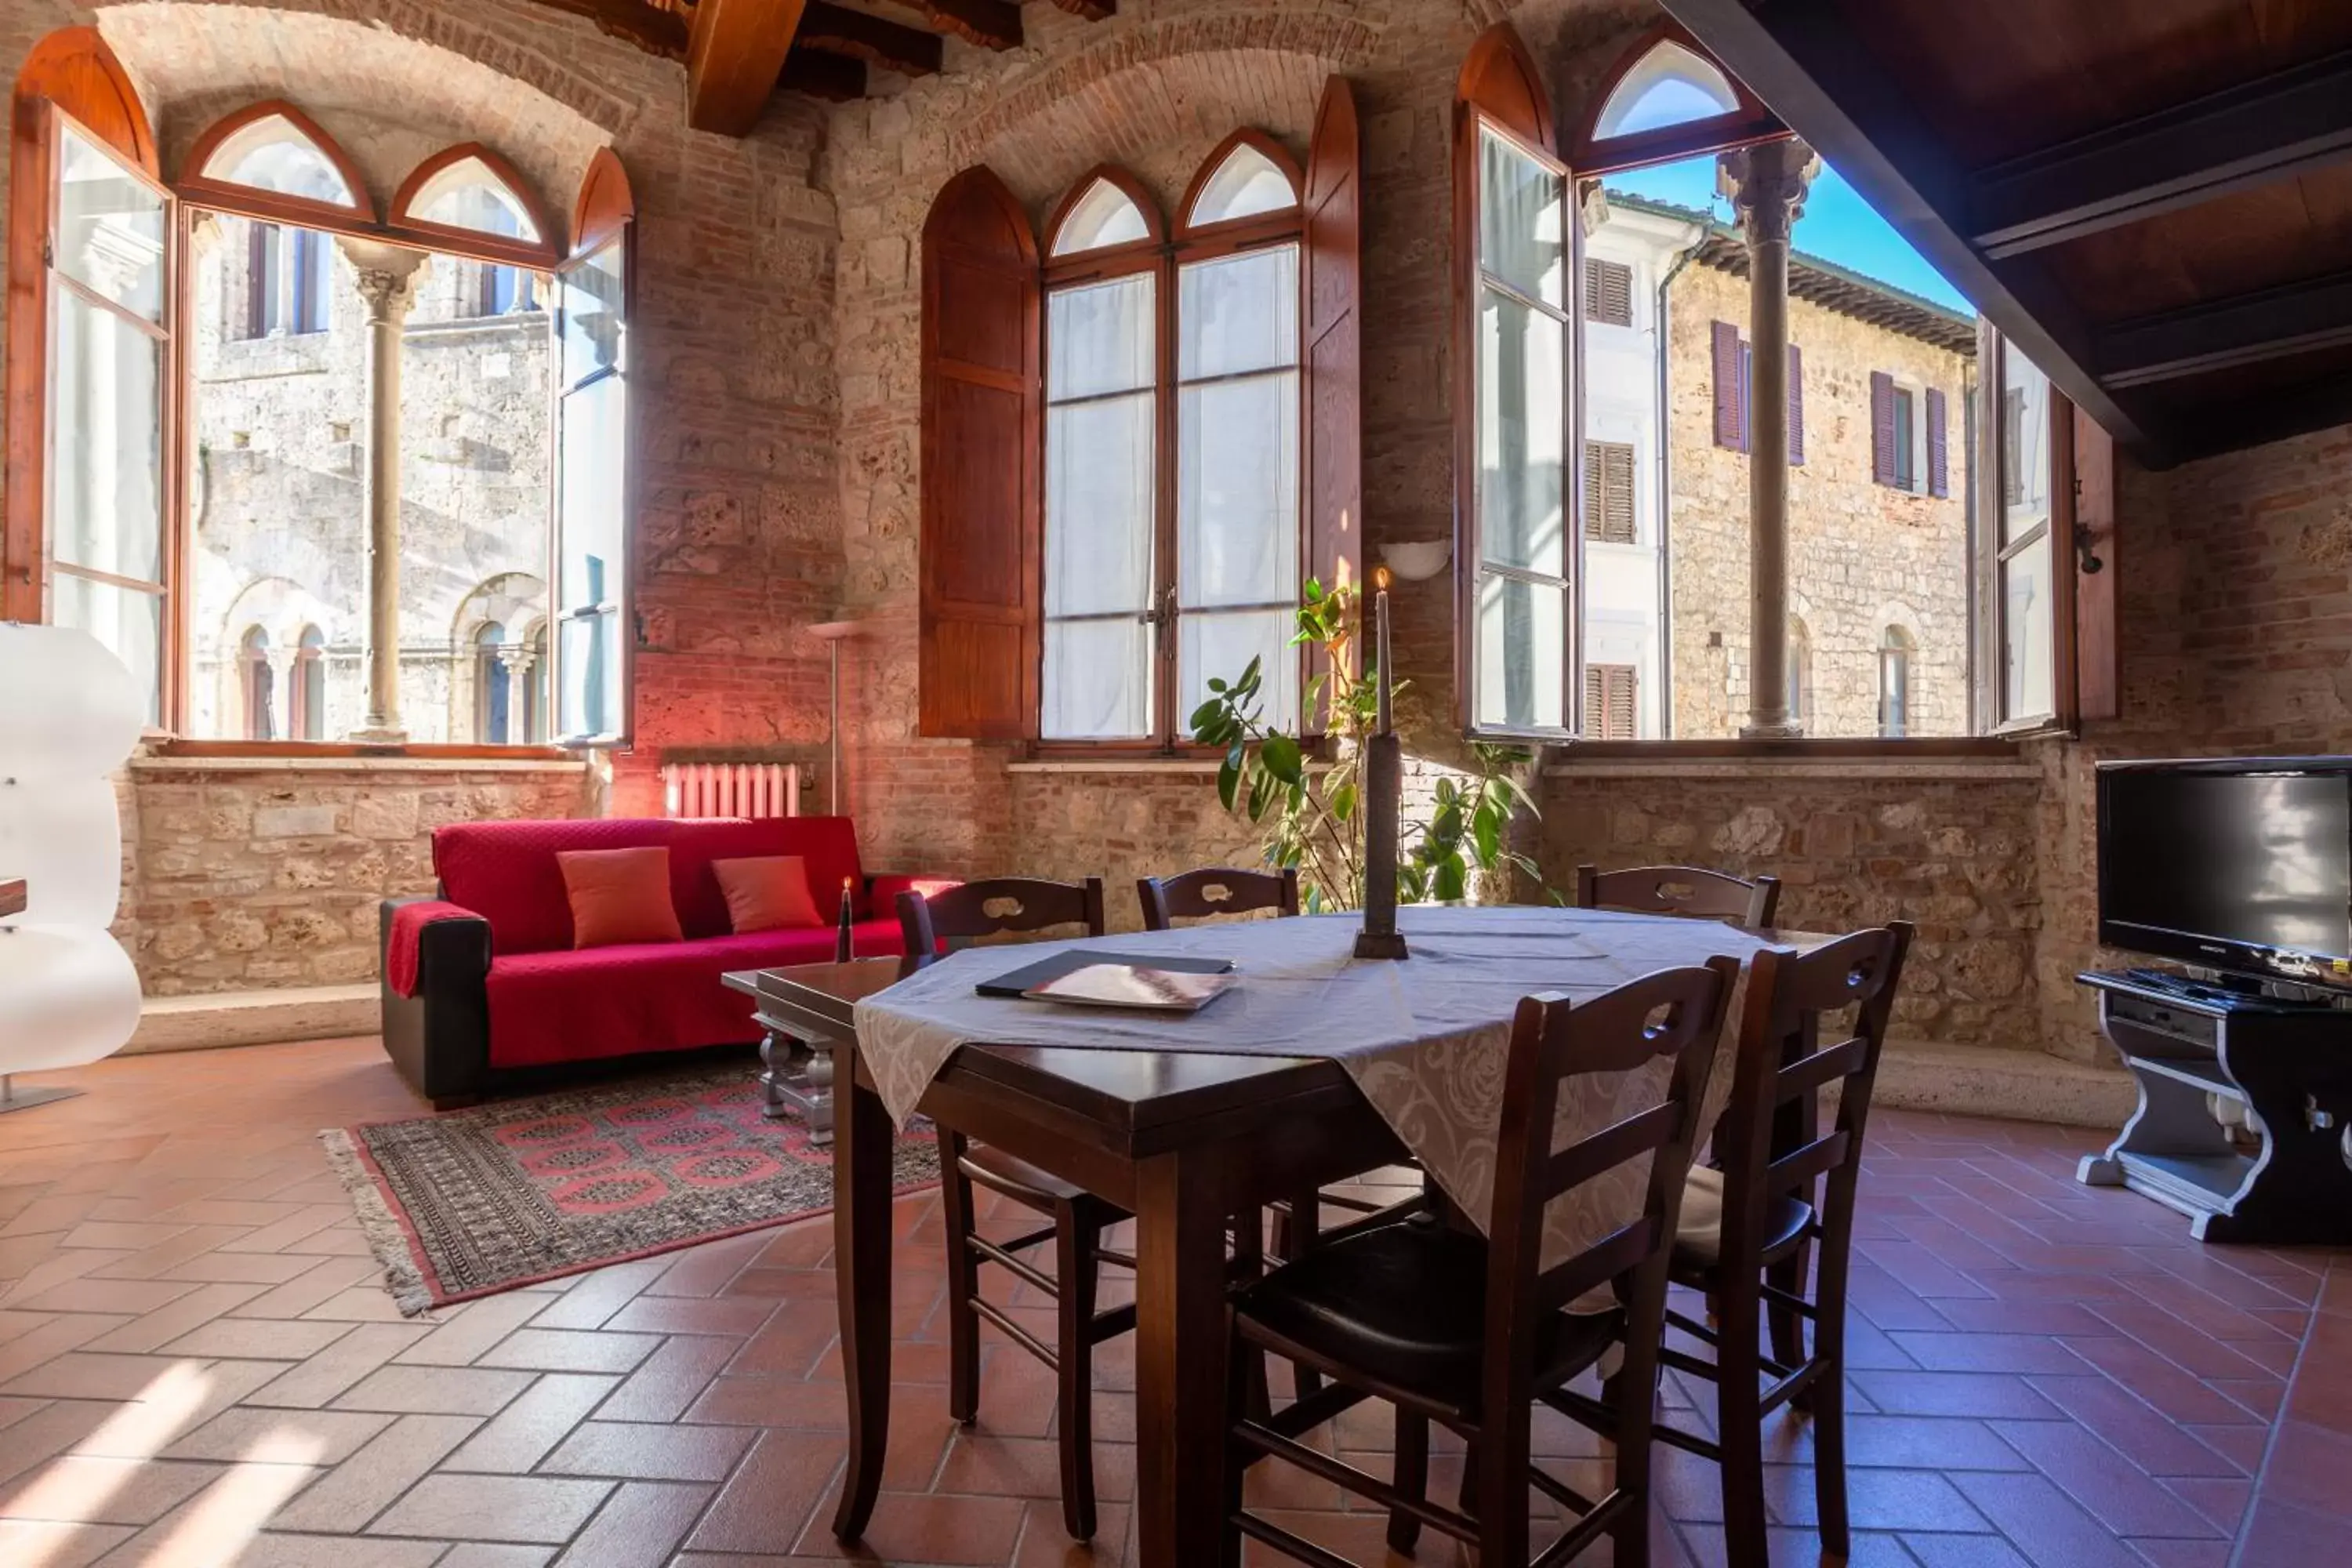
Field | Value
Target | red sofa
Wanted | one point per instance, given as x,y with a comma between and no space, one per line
482,988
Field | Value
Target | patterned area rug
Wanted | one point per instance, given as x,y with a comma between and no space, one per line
471,1202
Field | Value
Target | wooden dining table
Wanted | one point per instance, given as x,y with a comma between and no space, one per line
1182,1140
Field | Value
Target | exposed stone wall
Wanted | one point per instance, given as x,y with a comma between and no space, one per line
1862,556
1951,849
241,878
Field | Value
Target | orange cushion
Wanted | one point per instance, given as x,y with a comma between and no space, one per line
619,896
769,892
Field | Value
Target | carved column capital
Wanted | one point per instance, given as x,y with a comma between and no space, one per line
1767,184
388,294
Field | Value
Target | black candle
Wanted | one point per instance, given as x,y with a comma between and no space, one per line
842,944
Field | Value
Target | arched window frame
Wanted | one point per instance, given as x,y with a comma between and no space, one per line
256,685
305,688
72,81
1897,670
1163,254
1501,93
541,255
276,206
1750,122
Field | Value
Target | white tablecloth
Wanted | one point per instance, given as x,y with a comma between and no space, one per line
1424,1037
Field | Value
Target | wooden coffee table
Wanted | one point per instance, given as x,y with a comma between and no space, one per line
805,1003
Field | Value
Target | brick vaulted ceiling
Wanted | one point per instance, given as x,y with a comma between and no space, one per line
738,53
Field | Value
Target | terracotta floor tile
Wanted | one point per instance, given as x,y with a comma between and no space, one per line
455,1336
666,1383
455,1391
58,1545
638,1527
767,1502
346,1498
526,1430
567,1350
636,1451
591,1299
2116,1491
525,1508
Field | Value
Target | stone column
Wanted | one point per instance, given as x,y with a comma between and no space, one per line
1767,184
387,279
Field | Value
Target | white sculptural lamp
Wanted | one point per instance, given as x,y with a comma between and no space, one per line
69,715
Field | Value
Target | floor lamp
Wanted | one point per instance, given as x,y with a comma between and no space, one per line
70,717
834,632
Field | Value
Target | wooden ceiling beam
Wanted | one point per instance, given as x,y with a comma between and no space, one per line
733,60
838,30
1801,56
835,79
2266,130
2251,329
991,24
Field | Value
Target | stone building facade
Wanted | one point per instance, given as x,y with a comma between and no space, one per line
277,510
1871,567
775,345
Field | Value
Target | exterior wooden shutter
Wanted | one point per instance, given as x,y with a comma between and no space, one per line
1796,404
1610,706
1608,292
1334,342
1609,492
1939,472
1729,421
1882,427
983,465
2098,672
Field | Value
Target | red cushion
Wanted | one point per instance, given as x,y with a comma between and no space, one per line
507,871
549,1007
768,892
619,896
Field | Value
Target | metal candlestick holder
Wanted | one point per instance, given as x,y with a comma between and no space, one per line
1383,790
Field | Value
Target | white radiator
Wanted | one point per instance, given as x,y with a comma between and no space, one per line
731,789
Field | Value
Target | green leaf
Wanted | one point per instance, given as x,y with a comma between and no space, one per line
1229,777
1281,757
1205,717
1487,833
1342,802
1449,882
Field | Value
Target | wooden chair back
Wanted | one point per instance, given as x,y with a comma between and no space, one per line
1691,891
1675,1014
1778,1078
1215,890
970,910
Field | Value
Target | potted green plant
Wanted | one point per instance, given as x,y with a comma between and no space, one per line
1310,809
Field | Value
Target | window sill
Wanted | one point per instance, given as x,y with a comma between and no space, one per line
264,756
1205,767
1958,757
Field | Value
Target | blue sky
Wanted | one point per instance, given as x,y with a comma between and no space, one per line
1837,225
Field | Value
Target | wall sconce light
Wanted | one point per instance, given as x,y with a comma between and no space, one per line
1419,560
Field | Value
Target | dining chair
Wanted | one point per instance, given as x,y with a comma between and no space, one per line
1784,1186
1470,1333
1691,891
1215,890
1078,1217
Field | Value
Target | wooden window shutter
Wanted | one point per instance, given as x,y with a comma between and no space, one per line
982,407
1612,711
1608,292
1609,492
1882,427
1939,472
2098,672
1796,404
1729,421
1334,341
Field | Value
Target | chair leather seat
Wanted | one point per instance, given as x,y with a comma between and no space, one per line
1025,1183
1698,1238
1405,1304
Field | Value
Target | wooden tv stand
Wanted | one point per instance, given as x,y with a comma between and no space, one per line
2291,1062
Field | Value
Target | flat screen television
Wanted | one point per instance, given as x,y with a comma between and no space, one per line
2237,864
